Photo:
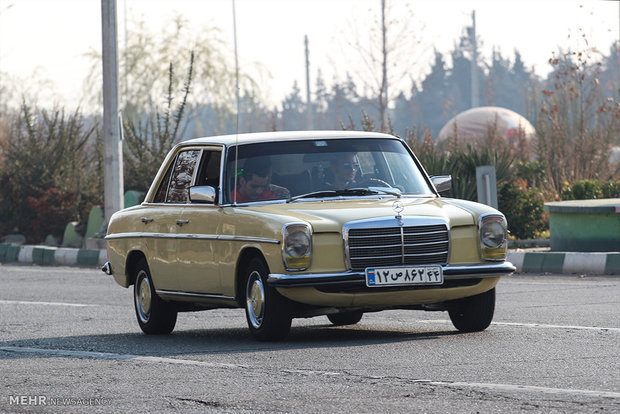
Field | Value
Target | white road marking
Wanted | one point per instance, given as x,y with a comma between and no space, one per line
175,361
26,302
534,325
602,281
526,388
115,356
546,326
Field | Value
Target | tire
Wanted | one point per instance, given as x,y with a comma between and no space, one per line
475,313
345,318
154,315
267,312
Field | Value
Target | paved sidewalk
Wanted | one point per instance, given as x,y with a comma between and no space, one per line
526,261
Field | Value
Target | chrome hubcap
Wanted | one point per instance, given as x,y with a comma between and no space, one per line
255,297
143,297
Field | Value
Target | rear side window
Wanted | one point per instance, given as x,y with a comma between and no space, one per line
160,197
174,188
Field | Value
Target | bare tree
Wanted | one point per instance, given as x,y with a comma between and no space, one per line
577,124
388,51
145,58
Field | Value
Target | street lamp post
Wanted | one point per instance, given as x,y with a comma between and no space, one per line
112,142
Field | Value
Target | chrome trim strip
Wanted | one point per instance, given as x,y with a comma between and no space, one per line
193,295
401,223
248,239
144,235
449,272
478,271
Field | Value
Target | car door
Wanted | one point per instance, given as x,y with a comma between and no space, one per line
198,269
163,219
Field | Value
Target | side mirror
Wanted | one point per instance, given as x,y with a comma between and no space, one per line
202,194
442,183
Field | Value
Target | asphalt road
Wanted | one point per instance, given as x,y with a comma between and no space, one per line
69,342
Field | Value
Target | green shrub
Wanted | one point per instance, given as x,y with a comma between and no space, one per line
50,213
523,209
591,189
461,163
533,172
51,172
611,189
582,190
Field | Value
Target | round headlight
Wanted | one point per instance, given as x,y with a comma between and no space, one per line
297,244
492,234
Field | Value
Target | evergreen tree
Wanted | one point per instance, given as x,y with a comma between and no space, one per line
435,101
508,85
293,110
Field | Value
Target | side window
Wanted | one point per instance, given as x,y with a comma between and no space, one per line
160,196
209,172
181,177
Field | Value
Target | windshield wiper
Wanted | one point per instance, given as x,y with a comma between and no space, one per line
348,192
377,190
357,191
323,193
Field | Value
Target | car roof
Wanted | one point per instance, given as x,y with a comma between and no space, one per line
233,139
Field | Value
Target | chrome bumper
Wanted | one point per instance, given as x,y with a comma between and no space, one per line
107,268
359,278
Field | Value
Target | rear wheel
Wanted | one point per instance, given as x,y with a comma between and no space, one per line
345,318
267,312
154,315
475,313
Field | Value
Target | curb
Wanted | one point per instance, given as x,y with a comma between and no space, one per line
51,256
566,262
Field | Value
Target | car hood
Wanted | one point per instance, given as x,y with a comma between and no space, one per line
330,215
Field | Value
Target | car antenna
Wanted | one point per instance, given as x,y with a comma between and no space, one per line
237,97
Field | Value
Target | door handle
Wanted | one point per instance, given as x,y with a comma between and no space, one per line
181,222
146,220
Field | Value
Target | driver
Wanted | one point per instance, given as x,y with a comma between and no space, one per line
344,169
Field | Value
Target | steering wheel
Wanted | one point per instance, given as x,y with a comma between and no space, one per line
373,182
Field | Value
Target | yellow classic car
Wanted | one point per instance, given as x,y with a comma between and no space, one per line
301,224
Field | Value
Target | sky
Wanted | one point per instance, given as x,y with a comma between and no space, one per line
46,40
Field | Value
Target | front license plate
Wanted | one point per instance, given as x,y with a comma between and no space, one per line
404,276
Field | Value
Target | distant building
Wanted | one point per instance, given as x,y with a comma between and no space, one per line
479,124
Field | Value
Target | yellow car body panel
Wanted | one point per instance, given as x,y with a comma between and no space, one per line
197,251
210,266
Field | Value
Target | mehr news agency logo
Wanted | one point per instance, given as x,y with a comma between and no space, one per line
43,400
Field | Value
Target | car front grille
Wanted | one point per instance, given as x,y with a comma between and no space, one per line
397,246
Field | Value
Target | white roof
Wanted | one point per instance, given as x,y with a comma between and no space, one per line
282,136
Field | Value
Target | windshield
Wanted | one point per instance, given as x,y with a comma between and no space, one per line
328,167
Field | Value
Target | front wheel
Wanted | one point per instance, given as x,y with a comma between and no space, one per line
155,316
475,313
267,312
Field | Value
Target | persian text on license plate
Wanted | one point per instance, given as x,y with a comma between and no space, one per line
403,276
